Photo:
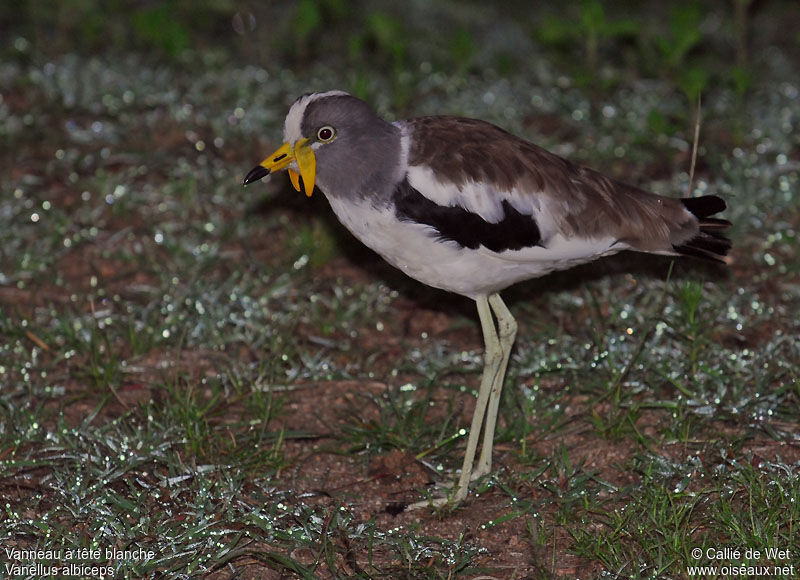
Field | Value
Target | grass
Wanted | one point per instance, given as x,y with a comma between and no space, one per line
219,377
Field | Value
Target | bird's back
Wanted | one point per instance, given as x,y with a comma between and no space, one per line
468,163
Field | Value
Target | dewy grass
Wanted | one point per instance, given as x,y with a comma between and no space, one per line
651,530
128,479
154,318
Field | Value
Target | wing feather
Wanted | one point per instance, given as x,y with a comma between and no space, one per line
478,166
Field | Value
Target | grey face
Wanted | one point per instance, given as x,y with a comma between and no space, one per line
357,152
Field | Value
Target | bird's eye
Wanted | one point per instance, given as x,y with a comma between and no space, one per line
326,133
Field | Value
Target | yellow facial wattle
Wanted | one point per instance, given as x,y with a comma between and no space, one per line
307,164
287,154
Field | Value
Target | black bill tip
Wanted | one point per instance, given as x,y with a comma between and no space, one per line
256,173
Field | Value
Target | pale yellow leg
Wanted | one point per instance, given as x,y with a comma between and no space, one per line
492,360
498,349
507,333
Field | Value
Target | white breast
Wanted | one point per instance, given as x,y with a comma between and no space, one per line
416,250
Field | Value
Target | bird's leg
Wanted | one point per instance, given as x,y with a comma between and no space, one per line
507,333
493,361
498,350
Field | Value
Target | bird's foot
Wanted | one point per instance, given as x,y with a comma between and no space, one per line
434,502
457,492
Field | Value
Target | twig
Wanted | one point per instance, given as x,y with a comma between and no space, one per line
695,143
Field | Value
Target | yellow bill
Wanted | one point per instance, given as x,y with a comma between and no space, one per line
300,153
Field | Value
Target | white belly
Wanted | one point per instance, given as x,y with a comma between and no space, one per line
415,249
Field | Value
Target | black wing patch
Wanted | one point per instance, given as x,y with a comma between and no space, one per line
514,232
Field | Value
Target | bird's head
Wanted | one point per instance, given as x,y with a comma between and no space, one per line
336,141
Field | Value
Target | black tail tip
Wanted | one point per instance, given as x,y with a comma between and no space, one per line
705,206
709,243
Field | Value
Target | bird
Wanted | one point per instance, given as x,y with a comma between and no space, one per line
462,205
